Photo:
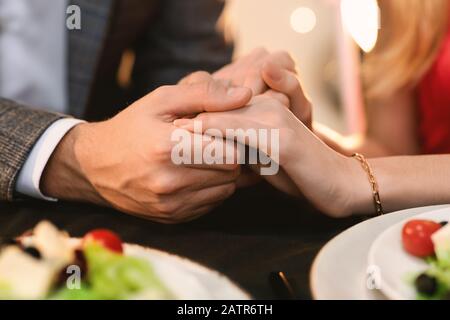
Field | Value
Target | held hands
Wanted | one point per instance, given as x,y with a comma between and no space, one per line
125,162
318,172
261,71
308,166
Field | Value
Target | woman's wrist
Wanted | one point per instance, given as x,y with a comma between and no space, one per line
292,140
327,178
362,188
353,194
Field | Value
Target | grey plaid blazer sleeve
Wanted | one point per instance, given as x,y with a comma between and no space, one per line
20,128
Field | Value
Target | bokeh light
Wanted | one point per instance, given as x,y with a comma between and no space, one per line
303,20
361,18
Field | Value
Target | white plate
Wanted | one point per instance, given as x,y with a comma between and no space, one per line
188,280
339,271
395,265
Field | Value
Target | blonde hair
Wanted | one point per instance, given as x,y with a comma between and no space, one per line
409,40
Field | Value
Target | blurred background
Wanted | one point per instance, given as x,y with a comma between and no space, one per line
326,38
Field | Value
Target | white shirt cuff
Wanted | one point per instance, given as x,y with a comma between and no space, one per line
31,172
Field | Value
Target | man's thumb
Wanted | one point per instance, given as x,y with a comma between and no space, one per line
210,96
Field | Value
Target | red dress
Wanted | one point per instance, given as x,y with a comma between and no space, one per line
434,104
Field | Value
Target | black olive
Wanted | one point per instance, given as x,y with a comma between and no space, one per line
443,223
426,284
32,251
80,261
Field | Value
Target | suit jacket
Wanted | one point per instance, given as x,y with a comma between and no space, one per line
167,38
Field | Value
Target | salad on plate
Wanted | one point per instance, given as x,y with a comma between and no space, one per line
429,240
48,264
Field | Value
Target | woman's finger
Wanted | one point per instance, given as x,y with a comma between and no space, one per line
286,82
281,97
229,125
198,151
216,124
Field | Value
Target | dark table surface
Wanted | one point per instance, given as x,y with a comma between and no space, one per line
256,232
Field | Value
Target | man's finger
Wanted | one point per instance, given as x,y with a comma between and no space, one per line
198,179
203,76
248,178
211,196
191,214
198,202
283,60
196,77
210,96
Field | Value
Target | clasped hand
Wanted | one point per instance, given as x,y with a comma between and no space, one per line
125,162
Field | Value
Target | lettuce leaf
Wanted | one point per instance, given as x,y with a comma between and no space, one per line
113,276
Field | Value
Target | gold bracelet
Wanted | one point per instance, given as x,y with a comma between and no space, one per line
373,183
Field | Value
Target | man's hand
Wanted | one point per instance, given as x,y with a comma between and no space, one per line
125,162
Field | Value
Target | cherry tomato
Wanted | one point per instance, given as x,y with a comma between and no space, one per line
106,238
416,236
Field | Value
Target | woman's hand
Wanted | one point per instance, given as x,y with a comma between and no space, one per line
135,172
325,177
280,75
261,70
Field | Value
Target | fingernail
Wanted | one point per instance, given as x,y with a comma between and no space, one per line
237,92
183,123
